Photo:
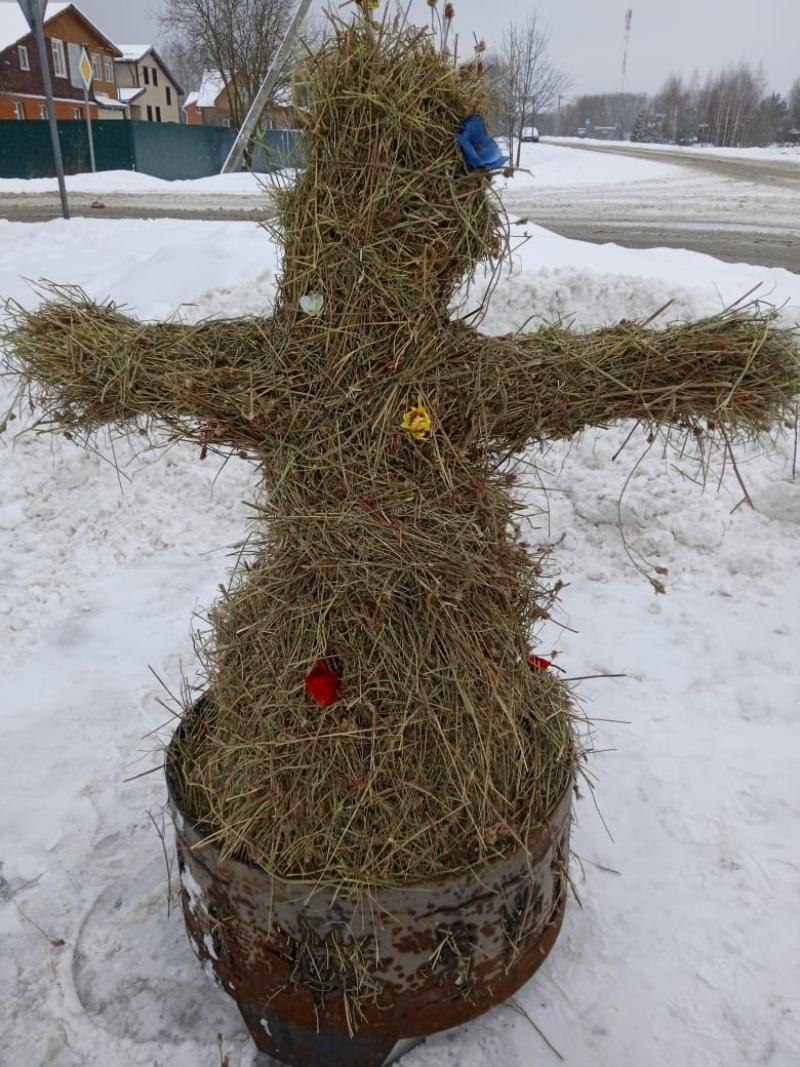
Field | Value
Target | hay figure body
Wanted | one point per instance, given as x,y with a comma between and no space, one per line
382,559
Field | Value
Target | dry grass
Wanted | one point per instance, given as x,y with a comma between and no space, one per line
386,555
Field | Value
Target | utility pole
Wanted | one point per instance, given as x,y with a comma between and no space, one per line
34,11
87,75
625,54
264,95
628,24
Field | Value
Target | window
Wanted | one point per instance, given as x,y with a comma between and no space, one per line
24,58
59,59
169,97
158,114
19,110
109,69
149,110
146,73
155,75
96,71
42,111
76,113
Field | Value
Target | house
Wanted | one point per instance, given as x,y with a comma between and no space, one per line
211,105
67,31
146,85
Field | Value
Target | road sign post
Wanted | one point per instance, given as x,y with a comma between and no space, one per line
85,68
34,10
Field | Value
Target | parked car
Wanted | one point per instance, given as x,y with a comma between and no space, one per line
530,135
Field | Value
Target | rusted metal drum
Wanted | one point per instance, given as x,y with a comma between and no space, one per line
324,979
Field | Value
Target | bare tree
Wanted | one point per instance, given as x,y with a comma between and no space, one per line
185,63
239,38
526,81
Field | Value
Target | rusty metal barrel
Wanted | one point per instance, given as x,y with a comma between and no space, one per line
321,977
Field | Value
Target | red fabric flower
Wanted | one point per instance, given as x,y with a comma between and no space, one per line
322,683
537,663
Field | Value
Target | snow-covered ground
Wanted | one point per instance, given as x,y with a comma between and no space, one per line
785,153
130,181
548,166
685,949
545,165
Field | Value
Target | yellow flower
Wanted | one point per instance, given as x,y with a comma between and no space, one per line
417,422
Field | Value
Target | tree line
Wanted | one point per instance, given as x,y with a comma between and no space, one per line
730,108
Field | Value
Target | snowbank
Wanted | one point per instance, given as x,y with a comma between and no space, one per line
684,952
551,166
129,181
548,165
785,153
156,266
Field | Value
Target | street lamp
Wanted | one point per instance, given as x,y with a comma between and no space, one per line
34,12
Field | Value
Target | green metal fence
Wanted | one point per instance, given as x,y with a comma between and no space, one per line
165,150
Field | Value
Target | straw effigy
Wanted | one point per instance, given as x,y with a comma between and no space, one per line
383,556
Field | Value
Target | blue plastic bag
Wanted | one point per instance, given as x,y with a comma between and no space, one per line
480,150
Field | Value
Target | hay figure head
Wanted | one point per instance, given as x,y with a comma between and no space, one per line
386,221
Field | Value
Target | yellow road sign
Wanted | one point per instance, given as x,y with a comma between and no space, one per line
85,68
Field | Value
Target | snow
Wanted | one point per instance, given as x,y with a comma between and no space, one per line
127,95
109,102
785,153
130,181
543,166
211,86
547,165
13,24
132,53
685,950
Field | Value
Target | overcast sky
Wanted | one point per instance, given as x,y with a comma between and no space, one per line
587,35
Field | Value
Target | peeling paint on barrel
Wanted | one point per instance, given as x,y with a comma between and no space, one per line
436,955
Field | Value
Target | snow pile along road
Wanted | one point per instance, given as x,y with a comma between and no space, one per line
684,952
544,165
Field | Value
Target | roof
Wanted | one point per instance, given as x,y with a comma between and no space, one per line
210,87
132,53
128,95
135,53
190,100
14,25
109,102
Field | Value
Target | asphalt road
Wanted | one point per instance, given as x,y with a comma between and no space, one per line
740,210
746,169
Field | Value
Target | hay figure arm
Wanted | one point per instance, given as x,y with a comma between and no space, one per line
737,372
86,365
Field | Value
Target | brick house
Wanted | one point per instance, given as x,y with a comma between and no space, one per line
67,31
147,86
210,105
